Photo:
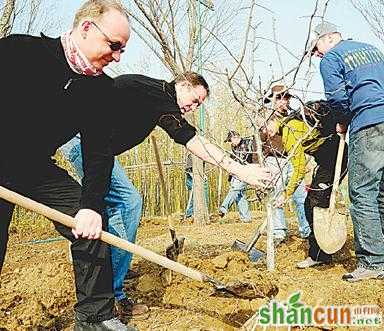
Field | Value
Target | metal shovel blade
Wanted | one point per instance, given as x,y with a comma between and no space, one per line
173,251
330,229
239,289
253,254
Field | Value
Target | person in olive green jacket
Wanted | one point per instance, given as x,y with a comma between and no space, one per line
313,134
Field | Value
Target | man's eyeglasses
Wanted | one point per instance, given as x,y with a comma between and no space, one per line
114,45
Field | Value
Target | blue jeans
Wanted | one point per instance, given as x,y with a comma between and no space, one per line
124,207
189,185
366,190
236,194
284,171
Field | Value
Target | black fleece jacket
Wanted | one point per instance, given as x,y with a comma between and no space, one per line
142,104
44,104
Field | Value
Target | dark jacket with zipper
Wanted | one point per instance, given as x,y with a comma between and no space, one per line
44,104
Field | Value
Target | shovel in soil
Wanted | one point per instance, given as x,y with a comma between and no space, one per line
253,253
238,289
176,248
329,226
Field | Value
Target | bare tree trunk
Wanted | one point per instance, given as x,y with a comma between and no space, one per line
6,18
200,212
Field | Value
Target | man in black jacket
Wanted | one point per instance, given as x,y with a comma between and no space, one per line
155,102
46,84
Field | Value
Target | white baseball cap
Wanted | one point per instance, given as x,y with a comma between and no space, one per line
319,31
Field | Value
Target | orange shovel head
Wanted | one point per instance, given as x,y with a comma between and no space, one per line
330,230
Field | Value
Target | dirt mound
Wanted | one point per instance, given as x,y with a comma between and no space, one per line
36,295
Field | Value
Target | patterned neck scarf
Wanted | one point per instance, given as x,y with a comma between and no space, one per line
76,59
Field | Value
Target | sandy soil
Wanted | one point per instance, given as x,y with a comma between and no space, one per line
37,283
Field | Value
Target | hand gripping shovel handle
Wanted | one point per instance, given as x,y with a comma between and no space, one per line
108,238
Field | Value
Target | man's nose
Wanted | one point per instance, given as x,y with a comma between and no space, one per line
116,56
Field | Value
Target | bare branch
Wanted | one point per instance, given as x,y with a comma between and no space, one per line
372,11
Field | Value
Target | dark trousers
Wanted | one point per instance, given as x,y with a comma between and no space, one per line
52,186
321,187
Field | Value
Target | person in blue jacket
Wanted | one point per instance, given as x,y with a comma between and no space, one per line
353,76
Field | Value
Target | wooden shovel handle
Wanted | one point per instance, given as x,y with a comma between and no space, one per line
69,221
163,187
336,178
257,235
